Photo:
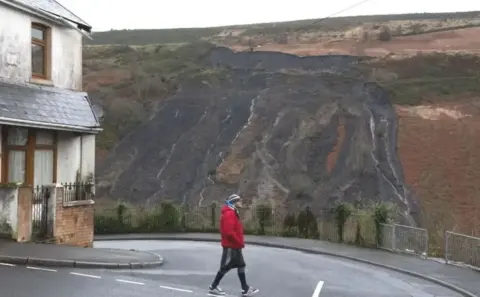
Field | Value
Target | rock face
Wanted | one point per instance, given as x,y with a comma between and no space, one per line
273,127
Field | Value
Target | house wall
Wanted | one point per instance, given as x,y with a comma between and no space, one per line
15,50
75,153
9,209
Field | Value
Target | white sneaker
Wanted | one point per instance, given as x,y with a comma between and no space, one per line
250,292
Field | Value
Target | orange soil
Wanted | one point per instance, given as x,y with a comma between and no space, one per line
440,152
332,157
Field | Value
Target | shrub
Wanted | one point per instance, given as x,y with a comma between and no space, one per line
307,224
118,223
381,216
385,34
264,216
289,224
341,213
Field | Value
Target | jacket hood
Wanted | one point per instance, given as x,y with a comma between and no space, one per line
228,207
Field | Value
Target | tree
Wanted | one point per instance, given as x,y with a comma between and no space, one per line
385,34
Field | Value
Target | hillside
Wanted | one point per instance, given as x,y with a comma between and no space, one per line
359,28
192,121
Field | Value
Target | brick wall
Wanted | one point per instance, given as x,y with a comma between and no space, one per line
73,221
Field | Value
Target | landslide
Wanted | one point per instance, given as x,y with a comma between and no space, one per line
271,126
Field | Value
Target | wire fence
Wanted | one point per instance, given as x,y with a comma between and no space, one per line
404,239
461,248
360,227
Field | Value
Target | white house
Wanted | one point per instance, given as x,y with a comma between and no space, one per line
48,124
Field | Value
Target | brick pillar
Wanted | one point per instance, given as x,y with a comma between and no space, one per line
24,215
73,222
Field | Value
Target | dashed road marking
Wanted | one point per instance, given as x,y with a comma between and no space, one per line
129,282
318,289
85,275
176,289
39,268
99,277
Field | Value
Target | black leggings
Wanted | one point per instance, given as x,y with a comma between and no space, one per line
231,258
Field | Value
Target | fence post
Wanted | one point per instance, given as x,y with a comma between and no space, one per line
446,247
426,245
394,241
213,214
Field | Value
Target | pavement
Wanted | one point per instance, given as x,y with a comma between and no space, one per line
459,279
69,256
190,267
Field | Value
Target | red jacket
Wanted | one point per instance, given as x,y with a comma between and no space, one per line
231,229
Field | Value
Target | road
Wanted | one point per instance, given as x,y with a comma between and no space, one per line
190,267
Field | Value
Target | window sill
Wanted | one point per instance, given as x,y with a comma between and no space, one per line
41,81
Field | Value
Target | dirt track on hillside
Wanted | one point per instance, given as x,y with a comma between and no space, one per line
463,40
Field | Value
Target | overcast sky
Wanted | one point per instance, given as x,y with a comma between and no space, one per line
155,14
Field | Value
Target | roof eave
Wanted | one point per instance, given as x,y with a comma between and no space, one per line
46,15
32,10
44,125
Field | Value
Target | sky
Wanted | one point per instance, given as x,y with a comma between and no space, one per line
158,14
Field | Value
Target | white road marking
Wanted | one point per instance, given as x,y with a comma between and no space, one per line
176,289
318,289
129,282
7,264
85,275
43,269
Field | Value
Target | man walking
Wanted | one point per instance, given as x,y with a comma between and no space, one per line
231,230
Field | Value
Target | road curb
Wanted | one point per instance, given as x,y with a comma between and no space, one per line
305,250
81,264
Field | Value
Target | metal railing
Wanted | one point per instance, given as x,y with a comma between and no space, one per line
40,211
404,239
77,191
461,248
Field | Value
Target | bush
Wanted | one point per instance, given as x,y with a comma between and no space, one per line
165,218
385,34
264,216
341,213
289,225
118,223
307,224
381,216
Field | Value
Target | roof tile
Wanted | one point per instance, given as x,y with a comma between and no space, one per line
46,105
54,7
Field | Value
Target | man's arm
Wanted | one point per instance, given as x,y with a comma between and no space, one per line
228,227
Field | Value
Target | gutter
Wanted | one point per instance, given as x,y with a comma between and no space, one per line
40,125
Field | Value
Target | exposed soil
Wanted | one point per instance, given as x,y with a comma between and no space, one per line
467,40
439,149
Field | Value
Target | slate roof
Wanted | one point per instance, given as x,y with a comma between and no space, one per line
48,106
55,8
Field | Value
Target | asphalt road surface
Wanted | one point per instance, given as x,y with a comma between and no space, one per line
190,267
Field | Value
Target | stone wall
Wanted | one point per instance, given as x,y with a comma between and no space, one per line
24,215
8,211
73,220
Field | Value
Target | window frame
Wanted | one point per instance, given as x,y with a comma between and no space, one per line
45,43
29,148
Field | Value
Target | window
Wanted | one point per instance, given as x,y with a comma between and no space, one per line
40,51
30,156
